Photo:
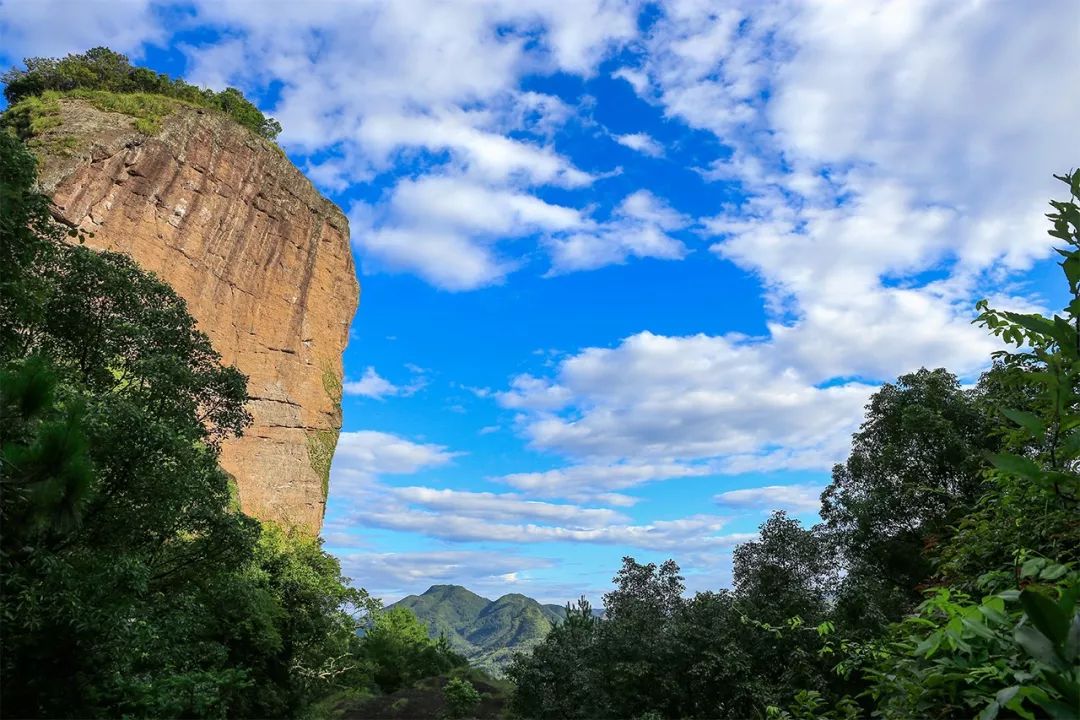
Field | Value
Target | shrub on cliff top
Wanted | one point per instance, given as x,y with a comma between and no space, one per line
103,69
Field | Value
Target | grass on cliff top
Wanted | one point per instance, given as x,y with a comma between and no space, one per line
34,115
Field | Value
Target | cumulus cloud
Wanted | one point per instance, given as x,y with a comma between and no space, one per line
640,227
642,142
31,29
448,229
696,532
375,386
363,455
688,397
370,385
799,498
597,482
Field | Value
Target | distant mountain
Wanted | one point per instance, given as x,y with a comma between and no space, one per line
487,632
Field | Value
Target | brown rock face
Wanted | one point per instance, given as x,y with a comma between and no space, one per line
261,258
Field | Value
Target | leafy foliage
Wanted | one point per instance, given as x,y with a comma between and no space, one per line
398,645
101,69
461,698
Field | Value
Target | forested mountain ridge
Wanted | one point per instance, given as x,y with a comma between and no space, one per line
487,632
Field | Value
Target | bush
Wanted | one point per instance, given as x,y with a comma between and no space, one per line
461,698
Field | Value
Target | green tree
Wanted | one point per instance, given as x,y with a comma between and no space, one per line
561,677
916,467
398,646
787,572
461,698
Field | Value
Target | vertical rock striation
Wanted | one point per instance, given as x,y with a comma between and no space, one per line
262,259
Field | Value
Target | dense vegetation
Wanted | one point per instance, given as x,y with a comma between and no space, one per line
942,581
131,585
486,632
102,75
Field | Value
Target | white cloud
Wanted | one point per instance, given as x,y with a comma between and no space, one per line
596,482
799,498
697,532
642,142
448,260
657,397
448,228
638,228
533,393
54,28
504,506
377,387
362,455
371,385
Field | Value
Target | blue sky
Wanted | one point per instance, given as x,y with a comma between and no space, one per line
630,270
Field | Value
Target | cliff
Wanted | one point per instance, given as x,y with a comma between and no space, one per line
262,259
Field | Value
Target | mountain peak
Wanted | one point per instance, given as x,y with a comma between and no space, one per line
450,591
485,631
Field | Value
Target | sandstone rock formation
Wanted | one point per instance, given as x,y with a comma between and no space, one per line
261,258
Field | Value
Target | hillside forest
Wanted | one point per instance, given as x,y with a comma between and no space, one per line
941,582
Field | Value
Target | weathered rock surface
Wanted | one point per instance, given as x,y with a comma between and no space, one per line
262,259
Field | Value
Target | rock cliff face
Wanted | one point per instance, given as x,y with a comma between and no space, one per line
261,258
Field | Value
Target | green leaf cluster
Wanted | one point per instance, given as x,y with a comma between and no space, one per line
461,698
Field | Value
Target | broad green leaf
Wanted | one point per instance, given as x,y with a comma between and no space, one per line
1046,616
990,711
994,614
1071,266
1036,645
979,629
1016,465
1053,572
1028,421
1032,567
1035,323
1072,642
